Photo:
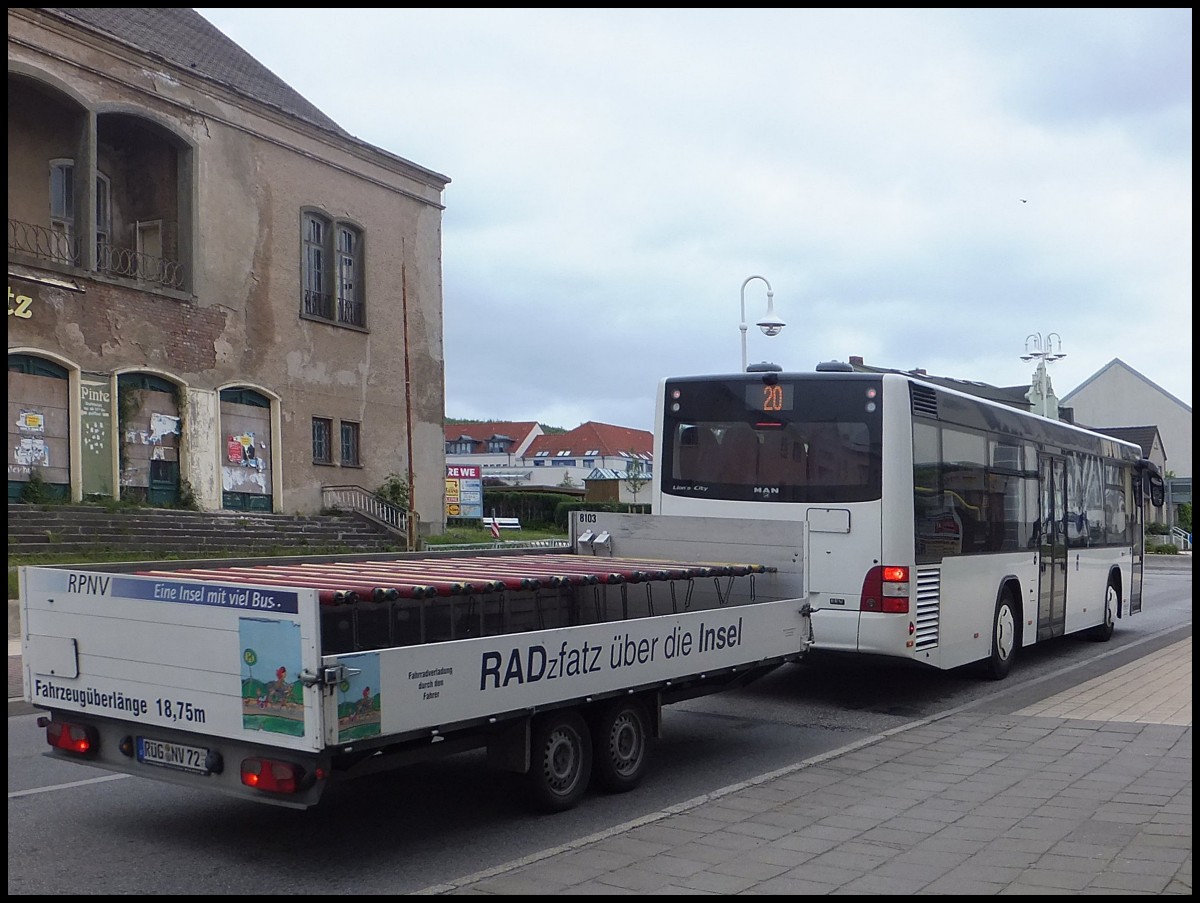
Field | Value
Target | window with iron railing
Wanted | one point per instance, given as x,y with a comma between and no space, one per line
333,266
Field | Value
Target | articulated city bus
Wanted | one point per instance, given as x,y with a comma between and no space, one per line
941,527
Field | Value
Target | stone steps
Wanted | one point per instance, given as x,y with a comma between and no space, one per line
77,529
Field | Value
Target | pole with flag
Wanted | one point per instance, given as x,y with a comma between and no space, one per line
495,527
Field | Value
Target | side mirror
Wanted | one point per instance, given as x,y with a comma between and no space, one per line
1157,494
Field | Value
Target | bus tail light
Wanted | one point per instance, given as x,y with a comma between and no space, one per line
80,739
885,589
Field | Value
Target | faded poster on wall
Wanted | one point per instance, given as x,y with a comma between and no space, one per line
38,429
96,446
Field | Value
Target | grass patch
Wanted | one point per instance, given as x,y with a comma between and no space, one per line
467,535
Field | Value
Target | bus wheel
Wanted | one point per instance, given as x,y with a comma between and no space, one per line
560,760
1006,638
1103,631
620,745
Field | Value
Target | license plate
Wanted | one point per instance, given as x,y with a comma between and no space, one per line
172,755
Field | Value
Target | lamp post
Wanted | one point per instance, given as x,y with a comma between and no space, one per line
770,324
1043,351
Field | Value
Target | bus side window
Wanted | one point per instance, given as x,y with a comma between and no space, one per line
1030,525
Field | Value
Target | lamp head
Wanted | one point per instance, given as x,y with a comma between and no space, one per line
771,325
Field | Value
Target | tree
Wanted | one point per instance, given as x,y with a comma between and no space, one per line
395,490
635,477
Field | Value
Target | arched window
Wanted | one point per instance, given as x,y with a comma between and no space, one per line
39,430
246,397
36,366
246,472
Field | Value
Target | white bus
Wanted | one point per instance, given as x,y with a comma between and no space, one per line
943,528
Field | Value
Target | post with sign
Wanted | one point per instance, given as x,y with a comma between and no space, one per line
464,491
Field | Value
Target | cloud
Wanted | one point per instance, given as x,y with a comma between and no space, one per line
617,174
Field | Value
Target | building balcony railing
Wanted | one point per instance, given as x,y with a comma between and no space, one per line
132,264
58,247
325,307
352,312
318,304
42,243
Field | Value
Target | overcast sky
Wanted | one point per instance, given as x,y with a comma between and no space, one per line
923,188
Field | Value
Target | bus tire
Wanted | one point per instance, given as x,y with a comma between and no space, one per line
1103,631
1006,638
560,763
620,745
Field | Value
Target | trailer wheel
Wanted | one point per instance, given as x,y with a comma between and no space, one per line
620,745
560,760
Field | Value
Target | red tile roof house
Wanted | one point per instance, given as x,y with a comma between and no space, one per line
520,454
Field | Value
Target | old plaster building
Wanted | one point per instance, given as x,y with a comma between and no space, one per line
214,291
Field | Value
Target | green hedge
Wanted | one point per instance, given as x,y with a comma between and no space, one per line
1165,548
547,510
532,509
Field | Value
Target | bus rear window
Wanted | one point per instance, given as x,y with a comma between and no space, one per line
797,461
775,439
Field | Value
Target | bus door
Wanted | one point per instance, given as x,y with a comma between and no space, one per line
1148,489
1052,573
1139,559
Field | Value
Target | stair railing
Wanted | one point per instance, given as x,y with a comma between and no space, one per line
1182,538
375,507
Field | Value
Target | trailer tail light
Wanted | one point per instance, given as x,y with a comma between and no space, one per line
885,589
272,775
79,739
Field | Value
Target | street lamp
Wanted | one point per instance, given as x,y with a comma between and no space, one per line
771,324
1043,348
1043,351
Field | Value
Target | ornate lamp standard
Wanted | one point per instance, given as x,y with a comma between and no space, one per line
1041,393
770,324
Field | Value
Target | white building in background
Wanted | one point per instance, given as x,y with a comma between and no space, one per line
495,447
522,454
1117,395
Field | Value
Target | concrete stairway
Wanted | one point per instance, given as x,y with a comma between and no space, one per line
68,529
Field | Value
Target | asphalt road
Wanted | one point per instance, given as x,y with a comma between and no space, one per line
72,826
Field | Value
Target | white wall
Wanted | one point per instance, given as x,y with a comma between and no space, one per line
1119,396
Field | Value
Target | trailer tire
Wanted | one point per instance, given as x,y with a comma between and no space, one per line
560,760
620,745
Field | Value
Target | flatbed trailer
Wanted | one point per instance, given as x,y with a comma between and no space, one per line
275,681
